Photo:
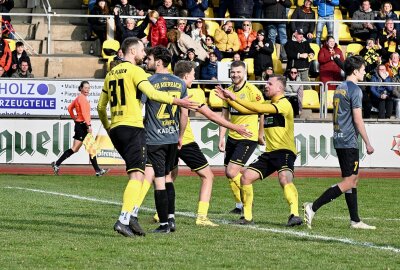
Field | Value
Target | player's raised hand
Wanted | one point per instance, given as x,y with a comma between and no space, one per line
223,93
186,103
242,130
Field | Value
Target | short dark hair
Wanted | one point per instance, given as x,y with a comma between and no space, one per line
82,84
238,64
161,53
19,44
128,43
280,79
183,67
352,63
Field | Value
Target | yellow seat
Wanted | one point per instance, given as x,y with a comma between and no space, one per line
212,26
110,44
338,14
315,48
290,13
300,3
329,99
257,26
354,48
277,66
344,33
227,15
11,43
250,67
214,101
197,95
310,99
209,13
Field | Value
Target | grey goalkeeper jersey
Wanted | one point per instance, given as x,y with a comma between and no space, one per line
347,97
161,121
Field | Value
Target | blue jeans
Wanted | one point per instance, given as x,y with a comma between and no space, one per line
320,25
274,29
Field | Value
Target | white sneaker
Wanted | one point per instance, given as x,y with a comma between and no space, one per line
308,214
361,225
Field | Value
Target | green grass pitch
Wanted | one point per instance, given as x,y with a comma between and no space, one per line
66,222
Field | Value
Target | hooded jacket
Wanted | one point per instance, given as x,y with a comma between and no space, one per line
326,7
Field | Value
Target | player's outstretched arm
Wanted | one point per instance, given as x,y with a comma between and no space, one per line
228,96
241,129
358,120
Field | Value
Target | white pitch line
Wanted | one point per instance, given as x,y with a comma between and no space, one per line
369,218
223,221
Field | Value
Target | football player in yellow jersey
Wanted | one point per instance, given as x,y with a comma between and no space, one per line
122,88
238,149
280,151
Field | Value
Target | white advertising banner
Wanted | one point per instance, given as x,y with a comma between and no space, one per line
43,97
33,141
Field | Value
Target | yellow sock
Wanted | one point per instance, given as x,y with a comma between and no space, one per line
247,192
203,209
143,192
132,192
292,198
235,186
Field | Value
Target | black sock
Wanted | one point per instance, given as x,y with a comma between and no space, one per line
351,200
329,195
171,197
94,164
64,156
161,199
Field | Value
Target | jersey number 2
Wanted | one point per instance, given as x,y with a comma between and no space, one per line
165,110
113,86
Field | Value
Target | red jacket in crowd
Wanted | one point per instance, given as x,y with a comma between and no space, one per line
158,33
328,69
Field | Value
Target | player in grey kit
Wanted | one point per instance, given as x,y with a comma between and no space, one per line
163,123
347,124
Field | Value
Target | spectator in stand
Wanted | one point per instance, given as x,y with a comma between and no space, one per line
236,57
299,52
381,96
209,71
326,10
225,5
351,6
196,8
17,56
185,42
209,46
3,73
392,66
146,5
384,14
5,7
246,36
304,12
192,57
294,92
173,48
125,9
199,32
261,50
181,5
118,59
276,9
372,57
257,9
241,9
23,70
328,57
5,54
227,40
158,29
130,29
168,10
364,30
99,24
183,27
389,40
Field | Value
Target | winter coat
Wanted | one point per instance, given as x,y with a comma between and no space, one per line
308,27
6,8
169,12
18,74
158,33
293,49
358,27
5,55
377,91
15,60
197,10
138,31
246,41
185,42
392,70
262,56
226,41
242,8
328,69
326,7
389,44
392,16
275,10
214,49
298,89
209,70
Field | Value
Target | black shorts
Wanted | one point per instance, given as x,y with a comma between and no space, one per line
81,130
348,160
193,157
162,158
130,143
238,151
276,161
